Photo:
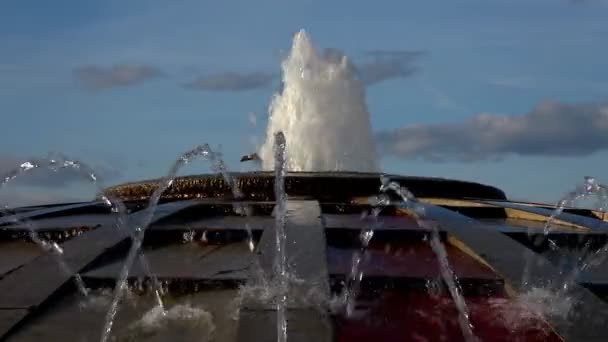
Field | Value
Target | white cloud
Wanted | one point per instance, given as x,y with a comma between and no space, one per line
94,77
232,81
549,129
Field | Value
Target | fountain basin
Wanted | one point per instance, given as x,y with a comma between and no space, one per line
196,247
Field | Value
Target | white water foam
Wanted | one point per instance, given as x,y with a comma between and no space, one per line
322,112
183,321
533,308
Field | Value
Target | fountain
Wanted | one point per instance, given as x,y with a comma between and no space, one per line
321,97
217,163
284,254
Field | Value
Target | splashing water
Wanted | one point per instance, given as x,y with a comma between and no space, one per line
353,283
554,299
280,264
453,285
321,98
589,187
217,164
159,325
531,309
54,248
408,201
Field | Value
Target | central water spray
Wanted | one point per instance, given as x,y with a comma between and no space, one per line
322,111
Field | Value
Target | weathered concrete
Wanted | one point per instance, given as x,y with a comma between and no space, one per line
11,317
14,254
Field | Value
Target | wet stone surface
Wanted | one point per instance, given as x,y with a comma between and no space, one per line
191,260
14,254
204,316
307,263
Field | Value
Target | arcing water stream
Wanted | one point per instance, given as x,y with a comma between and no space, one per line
353,284
57,164
409,202
555,299
217,164
589,187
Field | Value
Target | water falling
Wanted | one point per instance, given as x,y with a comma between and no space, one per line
119,207
280,264
554,298
408,201
217,164
588,188
57,252
353,284
56,164
321,98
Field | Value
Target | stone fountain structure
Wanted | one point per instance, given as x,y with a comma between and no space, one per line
196,247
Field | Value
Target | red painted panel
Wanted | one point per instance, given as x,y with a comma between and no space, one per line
417,316
410,259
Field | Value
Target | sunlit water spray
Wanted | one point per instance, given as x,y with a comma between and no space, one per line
280,264
217,165
555,299
347,298
191,323
589,188
586,259
54,165
322,111
353,283
409,202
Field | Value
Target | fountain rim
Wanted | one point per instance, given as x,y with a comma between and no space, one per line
310,174
443,187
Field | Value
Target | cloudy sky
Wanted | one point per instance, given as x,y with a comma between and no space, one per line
510,93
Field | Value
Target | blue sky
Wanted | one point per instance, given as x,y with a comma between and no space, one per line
59,93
